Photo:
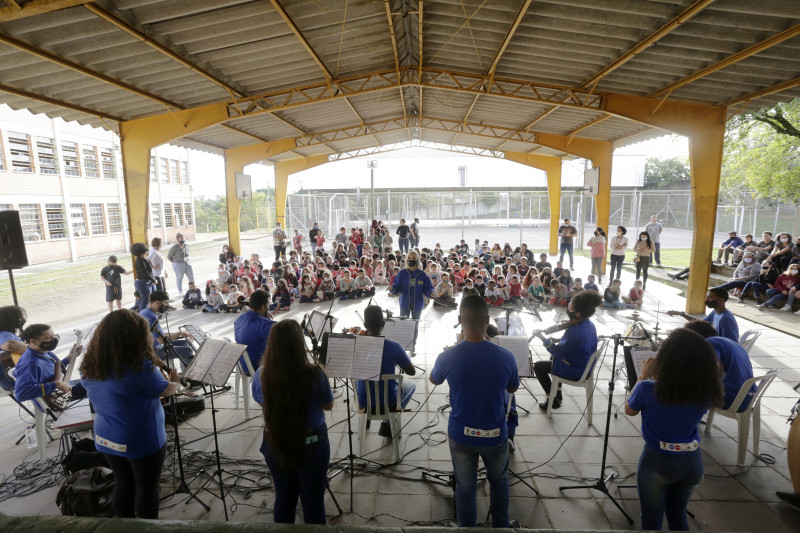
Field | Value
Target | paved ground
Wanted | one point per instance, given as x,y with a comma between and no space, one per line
552,452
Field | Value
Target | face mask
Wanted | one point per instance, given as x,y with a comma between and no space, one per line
162,308
643,238
784,239
412,262
181,241
748,259
793,272
213,291
619,233
711,304
571,315
48,346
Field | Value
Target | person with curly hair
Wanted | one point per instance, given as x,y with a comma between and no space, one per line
145,281
120,372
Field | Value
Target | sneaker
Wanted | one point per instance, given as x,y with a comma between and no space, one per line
385,430
797,312
672,276
741,300
760,306
786,308
511,446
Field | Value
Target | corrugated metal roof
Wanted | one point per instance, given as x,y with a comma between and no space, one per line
100,60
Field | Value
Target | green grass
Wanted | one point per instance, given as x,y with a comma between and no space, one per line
670,257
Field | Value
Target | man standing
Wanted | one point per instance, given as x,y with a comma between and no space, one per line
415,233
479,374
312,239
279,241
567,231
403,232
253,327
654,229
179,257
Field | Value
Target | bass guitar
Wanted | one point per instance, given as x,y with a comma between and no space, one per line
59,400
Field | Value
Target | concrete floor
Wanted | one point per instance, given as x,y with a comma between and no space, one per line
562,450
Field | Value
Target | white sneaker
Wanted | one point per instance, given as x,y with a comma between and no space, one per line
760,306
797,312
786,308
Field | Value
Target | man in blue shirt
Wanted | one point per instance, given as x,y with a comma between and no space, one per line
38,372
413,286
159,301
253,327
393,356
479,374
719,317
728,246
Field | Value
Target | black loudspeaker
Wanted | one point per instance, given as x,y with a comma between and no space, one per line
12,244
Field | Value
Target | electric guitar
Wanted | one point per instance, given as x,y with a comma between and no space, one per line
58,400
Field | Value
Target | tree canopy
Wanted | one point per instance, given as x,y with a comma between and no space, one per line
662,172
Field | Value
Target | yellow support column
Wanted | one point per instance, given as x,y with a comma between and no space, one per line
138,137
551,165
283,169
235,161
705,127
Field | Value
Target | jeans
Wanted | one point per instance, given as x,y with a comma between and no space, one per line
465,472
279,251
306,483
597,267
566,248
144,287
616,304
182,349
735,284
658,254
776,297
665,484
415,314
136,484
641,268
406,392
180,269
403,244
347,295
212,308
616,262
757,288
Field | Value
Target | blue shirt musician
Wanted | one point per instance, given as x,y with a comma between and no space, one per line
571,354
719,317
479,374
253,327
39,373
413,286
158,303
122,378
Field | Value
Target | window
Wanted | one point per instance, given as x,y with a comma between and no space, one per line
174,170
185,172
20,147
77,219
56,220
178,210
90,161
114,218
31,219
2,155
168,223
155,216
5,207
187,214
153,170
97,219
109,164
72,162
163,169
46,151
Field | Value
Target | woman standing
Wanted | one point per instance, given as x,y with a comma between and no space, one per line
618,245
125,386
674,390
413,286
294,393
145,280
643,248
598,252
157,261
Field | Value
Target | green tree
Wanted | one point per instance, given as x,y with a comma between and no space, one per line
662,172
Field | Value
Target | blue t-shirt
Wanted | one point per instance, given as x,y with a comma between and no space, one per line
479,373
320,394
129,419
6,336
34,375
668,424
572,353
393,356
7,383
152,318
737,369
725,324
253,330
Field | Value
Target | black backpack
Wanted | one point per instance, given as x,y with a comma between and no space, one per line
87,493
82,455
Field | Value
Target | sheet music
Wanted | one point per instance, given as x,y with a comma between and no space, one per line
516,328
214,361
341,348
319,326
367,357
519,347
639,356
401,332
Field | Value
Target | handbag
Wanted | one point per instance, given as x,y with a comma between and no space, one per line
636,258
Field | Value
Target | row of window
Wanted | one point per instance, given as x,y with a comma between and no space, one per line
169,170
91,219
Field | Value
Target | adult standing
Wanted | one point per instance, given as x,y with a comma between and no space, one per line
312,239
403,232
643,250
415,233
279,241
145,281
654,229
253,327
294,393
619,243
671,464
120,374
157,260
413,286
480,375
567,232
178,255
597,245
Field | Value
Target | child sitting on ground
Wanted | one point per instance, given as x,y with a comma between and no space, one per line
379,275
611,295
558,293
282,298
193,298
492,295
469,288
515,290
502,286
576,289
328,286
214,299
363,284
443,294
635,296
566,278
235,300
590,284
308,290
535,294
347,286
480,286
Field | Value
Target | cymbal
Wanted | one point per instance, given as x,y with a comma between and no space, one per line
636,317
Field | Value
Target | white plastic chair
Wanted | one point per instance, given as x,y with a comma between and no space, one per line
586,381
243,381
748,339
382,412
753,412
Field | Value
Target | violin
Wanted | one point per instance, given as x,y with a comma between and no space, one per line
557,327
355,330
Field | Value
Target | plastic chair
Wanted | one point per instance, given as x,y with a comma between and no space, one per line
748,339
384,412
753,412
586,381
243,381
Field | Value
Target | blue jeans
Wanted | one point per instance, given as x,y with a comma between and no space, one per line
566,248
665,483
616,304
776,297
144,287
735,284
212,308
347,295
180,269
616,262
415,314
306,483
403,244
658,254
406,392
182,348
757,288
465,472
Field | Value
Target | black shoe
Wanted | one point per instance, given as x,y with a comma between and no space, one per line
792,498
170,308
385,430
556,404
205,310
672,276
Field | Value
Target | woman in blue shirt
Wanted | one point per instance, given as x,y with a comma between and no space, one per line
414,287
294,392
674,390
12,319
121,375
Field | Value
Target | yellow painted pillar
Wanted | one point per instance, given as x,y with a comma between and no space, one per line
235,161
285,168
601,154
551,165
705,127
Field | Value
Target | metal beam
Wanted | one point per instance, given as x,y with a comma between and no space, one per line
763,92
53,101
15,11
390,22
735,58
588,125
282,12
418,143
684,16
420,40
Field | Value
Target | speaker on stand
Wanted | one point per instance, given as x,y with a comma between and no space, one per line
12,247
